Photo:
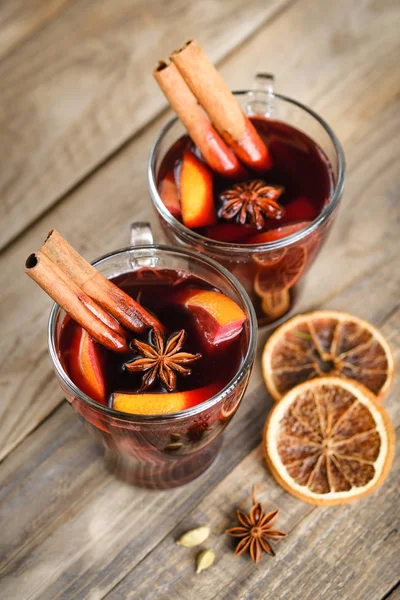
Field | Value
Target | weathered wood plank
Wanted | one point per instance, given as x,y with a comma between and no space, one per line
95,530
394,595
72,94
77,503
336,552
343,552
20,20
23,355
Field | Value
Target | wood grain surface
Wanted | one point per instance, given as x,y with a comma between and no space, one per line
395,593
76,91
78,106
21,20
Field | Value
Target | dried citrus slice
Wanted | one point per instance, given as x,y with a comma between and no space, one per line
328,441
327,343
271,258
276,304
231,403
284,274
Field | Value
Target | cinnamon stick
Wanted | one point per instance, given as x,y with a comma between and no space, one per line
103,315
110,297
74,301
214,150
221,106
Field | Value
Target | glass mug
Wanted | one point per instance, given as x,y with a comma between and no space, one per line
169,450
270,272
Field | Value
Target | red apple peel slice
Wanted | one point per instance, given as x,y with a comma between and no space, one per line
230,232
300,209
169,195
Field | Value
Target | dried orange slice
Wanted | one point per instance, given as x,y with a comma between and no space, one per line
327,343
276,304
231,402
282,275
269,259
328,441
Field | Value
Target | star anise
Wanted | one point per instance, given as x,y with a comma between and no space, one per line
251,202
161,359
255,530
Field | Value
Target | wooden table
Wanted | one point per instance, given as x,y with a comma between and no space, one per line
79,112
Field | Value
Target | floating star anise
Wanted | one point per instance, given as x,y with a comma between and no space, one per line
251,202
255,530
161,359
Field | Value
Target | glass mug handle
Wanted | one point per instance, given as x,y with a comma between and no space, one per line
141,234
261,97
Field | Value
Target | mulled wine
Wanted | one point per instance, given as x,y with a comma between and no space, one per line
202,337
300,172
293,192
155,359
256,194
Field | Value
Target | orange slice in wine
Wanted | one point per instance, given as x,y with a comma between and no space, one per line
231,403
328,441
327,343
161,404
86,366
196,191
218,317
276,304
169,194
277,234
270,258
284,274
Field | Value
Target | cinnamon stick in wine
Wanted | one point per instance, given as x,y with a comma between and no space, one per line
110,297
221,106
214,150
75,302
103,315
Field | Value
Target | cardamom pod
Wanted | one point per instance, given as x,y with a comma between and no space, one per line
194,537
205,559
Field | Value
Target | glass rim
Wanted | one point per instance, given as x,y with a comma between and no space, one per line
239,376
236,248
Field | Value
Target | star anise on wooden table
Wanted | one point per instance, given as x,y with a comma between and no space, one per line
255,530
161,359
251,202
